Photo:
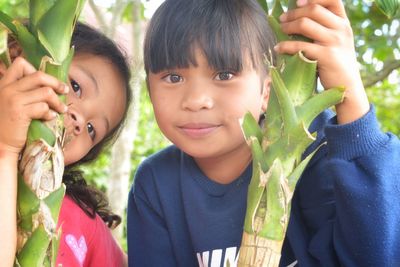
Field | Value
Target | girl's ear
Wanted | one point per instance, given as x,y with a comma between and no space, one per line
265,93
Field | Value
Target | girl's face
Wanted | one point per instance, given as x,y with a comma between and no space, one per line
198,108
96,103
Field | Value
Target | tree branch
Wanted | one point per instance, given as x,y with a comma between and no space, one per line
99,15
388,67
121,151
116,16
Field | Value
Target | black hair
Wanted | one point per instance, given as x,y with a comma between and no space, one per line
228,32
87,40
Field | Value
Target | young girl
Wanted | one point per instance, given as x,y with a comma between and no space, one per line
204,65
98,97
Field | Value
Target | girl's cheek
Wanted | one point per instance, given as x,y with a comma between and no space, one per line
74,152
69,98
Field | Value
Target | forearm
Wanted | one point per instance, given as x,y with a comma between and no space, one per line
365,169
8,206
355,103
368,214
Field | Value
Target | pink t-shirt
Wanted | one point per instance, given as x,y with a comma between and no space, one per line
85,241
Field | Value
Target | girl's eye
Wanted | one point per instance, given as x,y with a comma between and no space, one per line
172,78
91,131
224,76
76,87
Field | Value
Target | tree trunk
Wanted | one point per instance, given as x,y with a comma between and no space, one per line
118,187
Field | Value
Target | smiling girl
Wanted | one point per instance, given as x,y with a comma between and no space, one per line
204,61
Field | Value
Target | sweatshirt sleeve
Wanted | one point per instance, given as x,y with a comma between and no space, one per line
148,237
364,163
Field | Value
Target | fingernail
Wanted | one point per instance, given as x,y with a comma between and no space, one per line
66,89
53,114
301,2
276,48
283,17
65,108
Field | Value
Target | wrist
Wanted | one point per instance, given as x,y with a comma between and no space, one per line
8,152
355,105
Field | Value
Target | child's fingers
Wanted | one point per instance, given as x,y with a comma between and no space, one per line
41,79
27,77
335,6
40,111
18,69
45,95
311,29
310,50
318,23
313,12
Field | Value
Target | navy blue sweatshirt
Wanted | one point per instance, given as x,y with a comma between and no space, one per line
345,209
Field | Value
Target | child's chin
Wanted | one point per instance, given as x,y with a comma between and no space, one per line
67,153
67,160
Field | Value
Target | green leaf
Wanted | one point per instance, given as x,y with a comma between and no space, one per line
38,130
264,5
7,21
253,199
55,244
276,27
55,28
289,116
15,8
34,251
299,75
250,127
388,7
275,218
30,45
315,105
28,204
273,119
295,175
37,8
277,10
127,14
60,71
54,202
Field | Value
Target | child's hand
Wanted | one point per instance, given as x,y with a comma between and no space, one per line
26,94
325,22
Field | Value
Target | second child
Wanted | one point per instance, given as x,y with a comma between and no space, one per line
96,106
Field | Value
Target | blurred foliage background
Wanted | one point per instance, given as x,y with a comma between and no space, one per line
377,41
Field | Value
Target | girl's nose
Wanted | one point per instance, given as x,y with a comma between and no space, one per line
77,122
197,98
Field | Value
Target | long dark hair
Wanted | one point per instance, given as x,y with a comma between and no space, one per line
227,31
88,40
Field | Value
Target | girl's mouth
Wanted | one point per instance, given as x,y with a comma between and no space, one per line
198,130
